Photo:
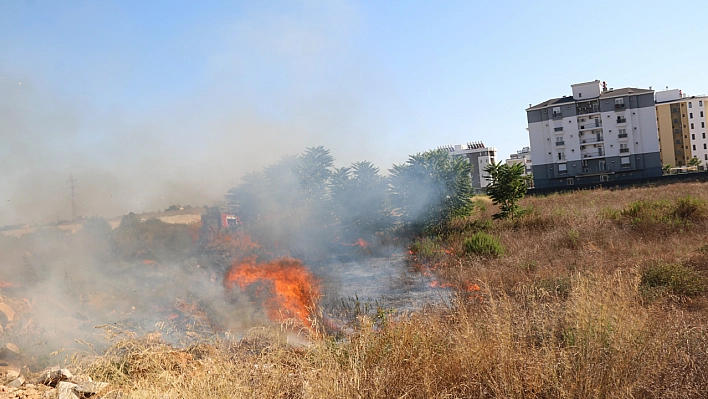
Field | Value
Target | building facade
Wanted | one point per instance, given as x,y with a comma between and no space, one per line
681,120
479,156
595,135
522,156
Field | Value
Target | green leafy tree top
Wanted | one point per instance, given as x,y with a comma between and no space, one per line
431,188
508,186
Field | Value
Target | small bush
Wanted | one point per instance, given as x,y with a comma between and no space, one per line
689,209
680,213
483,244
647,211
426,248
671,278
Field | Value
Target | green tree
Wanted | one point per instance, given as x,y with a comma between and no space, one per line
431,188
249,200
360,200
694,162
508,186
314,171
667,168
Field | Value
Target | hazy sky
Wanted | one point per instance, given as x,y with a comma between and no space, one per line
153,103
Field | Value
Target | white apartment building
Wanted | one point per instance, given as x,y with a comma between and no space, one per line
595,135
479,156
681,120
522,156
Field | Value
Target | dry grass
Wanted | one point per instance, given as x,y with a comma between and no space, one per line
562,314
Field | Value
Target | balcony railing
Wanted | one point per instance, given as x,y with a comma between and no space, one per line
619,106
592,140
622,135
624,149
558,129
557,115
560,142
621,120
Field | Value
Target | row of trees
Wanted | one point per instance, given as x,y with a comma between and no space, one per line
303,201
306,196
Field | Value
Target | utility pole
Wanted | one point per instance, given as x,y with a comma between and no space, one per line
72,186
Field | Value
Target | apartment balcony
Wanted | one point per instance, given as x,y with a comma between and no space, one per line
560,143
622,136
593,154
621,120
590,125
619,107
558,129
593,140
557,115
624,150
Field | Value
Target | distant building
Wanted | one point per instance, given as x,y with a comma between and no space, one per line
522,156
595,135
479,156
681,121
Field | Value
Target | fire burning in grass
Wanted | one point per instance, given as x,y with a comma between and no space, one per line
292,287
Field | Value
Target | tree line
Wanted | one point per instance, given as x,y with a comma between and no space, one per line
304,200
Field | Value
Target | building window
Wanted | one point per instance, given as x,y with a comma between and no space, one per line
705,156
692,126
562,167
556,111
704,134
624,161
675,120
678,141
703,124
690,104
705,146
569,181
701,114
694,147
700,103
690,115
693,136
561,156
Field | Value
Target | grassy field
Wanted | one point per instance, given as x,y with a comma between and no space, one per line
592,294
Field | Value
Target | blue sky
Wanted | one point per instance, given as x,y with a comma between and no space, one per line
155,103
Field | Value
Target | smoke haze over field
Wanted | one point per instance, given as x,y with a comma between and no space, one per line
150,104
222,100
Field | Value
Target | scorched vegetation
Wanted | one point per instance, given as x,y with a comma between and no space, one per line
596,294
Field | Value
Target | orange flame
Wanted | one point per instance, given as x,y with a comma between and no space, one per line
292,286
359,243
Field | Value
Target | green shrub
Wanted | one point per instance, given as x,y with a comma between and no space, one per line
683,211
689,209
483,244
671,278
426,248
647,211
